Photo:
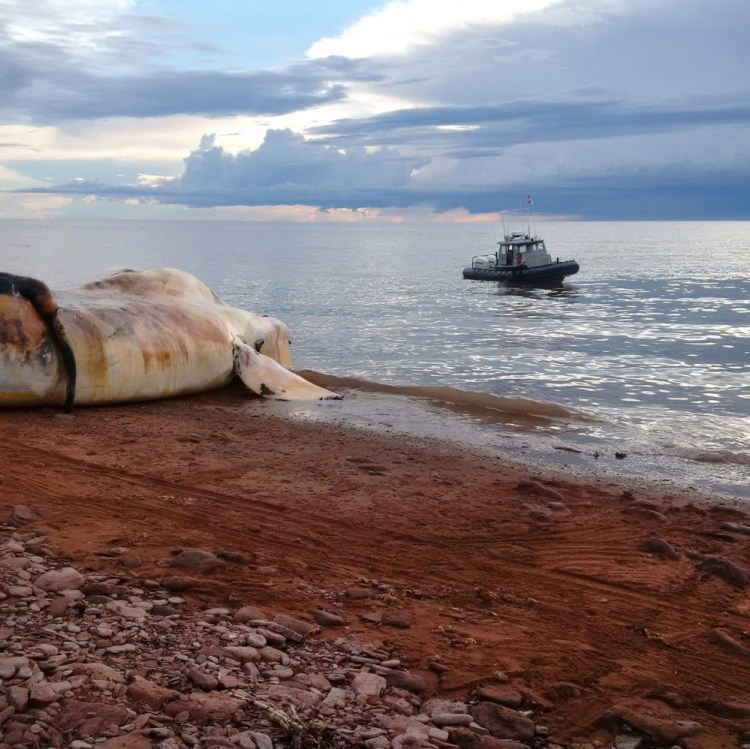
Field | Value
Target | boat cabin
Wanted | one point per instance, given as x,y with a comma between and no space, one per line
517,249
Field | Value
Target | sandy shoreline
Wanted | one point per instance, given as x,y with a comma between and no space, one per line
549,584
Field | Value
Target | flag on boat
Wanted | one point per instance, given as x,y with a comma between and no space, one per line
530,201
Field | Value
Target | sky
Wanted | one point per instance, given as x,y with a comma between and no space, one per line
356,110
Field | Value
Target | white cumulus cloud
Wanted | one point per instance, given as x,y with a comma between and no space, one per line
401,26
287,158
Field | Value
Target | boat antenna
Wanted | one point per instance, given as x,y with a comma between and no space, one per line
530,201
502,218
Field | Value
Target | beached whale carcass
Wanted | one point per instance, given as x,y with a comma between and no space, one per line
136,336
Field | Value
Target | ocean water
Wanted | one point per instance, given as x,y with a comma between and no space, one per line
645,352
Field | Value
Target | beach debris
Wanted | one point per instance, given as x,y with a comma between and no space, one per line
565,448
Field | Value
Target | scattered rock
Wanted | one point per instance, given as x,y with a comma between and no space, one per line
195,559
358,594
22,515
132,740
405,680
235,557
503,722
564,691
368,685
660,548
328,619
214,706
736,576
249,614
724,638
736,528
54,581
666,731
730,709
153,695
501,694
296,625
399,618
179,584
535,487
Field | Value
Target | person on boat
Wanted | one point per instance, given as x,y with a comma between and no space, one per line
520,265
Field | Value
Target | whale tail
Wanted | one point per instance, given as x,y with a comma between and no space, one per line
265,376
42,300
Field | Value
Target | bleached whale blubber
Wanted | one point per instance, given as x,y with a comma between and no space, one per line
136,336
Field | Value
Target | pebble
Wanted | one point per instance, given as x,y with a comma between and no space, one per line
132,667
220,666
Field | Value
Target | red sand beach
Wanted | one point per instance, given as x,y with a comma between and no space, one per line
562,590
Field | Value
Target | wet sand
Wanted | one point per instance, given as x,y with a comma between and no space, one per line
541,582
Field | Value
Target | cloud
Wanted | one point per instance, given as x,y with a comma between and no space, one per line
65,61
400,27
64,92
288,160
528,121
416,104
286,169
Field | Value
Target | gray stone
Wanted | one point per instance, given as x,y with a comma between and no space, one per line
666,731
41,695
178,583
296,625
368,685
301,696
735,575
195,559
243,654
66,578
255,640
660,548
262,740
335,698
397,618
271,655
451,719
626,741
328,619
502,694
503,722
405,680
22,515
18,697
248,614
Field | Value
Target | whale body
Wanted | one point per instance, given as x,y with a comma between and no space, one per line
136,336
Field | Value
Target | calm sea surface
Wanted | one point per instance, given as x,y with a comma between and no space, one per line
648,346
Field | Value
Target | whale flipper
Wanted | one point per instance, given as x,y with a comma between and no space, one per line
264,376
